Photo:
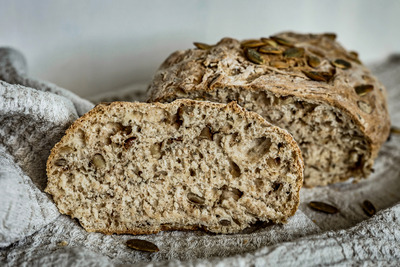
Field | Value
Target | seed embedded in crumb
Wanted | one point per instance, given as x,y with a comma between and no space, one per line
142,245
206,134
368,208
128,142
195,198
98,161
323,207
60,162
225,222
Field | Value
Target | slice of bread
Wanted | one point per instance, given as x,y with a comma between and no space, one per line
141,168
307,84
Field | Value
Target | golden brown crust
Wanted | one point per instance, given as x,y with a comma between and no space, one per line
226,66
233,107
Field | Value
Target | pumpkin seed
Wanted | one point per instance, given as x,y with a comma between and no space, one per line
323,207
217,78
363,89
294,52
341,64
279,64
142,245
254,56
322,76
225,222
394,130
269,42
203,46
364,107
368,208
313,61
60,162
195,198
252,43
282,41
330,35
269,50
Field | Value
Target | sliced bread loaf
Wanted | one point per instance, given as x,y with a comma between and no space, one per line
305,83
140,168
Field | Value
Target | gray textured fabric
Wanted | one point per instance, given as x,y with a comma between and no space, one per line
32,233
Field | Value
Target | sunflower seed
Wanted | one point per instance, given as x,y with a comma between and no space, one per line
203,46
269,42
195,198
294,52
60,162
323,207
368,208
363,89
225,222
269,50
341,64
254,56
313,61
142,245
252,43
394,130
364,107
282,41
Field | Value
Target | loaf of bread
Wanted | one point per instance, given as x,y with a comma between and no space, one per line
307,84
141,168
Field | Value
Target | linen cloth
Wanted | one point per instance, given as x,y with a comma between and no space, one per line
33,117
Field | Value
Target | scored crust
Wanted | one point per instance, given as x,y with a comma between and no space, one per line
100,191
278,83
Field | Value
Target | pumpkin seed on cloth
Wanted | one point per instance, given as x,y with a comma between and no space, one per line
368,208
142,245
323,207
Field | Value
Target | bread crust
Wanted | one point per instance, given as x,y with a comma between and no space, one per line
191,70
132,106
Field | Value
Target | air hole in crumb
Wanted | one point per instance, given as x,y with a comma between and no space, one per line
276,186
258,170
192,172
127,130
248,126
179,161
119,155
139,129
